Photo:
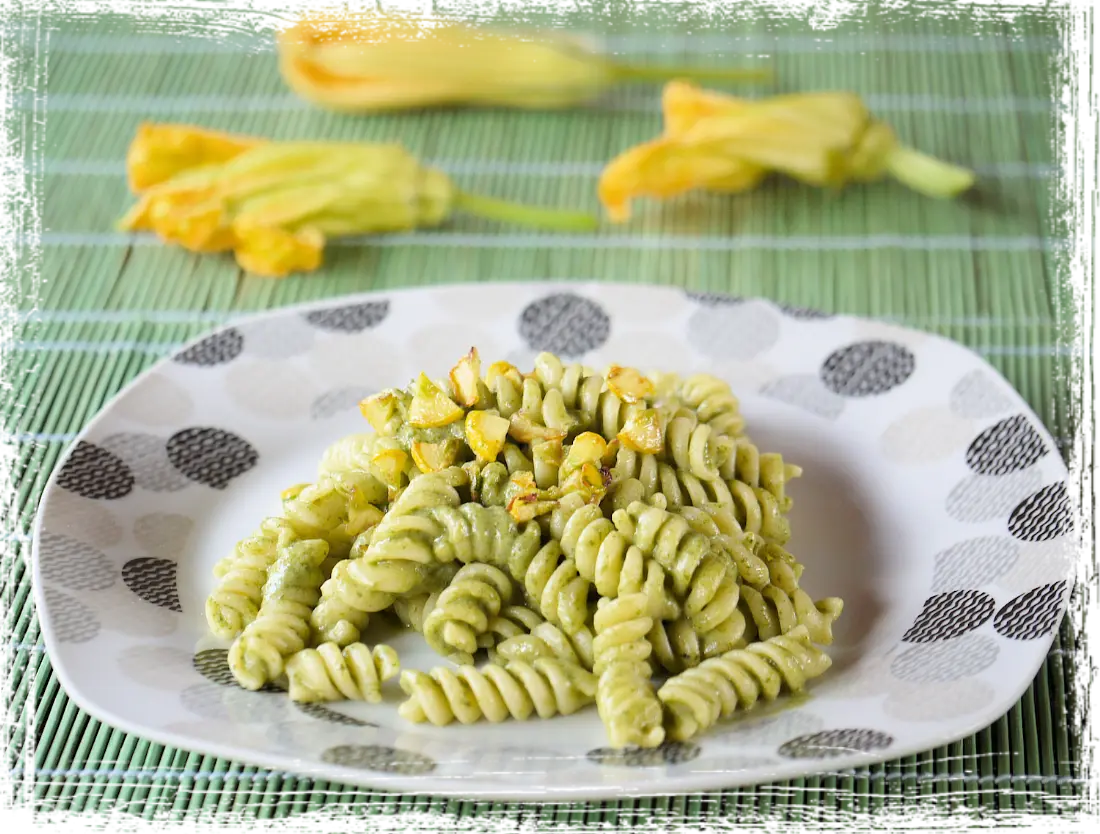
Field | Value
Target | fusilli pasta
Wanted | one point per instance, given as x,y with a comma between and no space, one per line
329,673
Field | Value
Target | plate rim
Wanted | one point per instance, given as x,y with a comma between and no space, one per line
426,784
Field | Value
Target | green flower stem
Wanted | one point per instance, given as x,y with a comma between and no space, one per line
557,220
646,73
926,174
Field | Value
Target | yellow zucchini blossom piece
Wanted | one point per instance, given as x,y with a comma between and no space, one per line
720,143
275,204
377,62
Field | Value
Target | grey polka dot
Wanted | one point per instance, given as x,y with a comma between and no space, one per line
514,760
950,660
124,612
147,458
807,392
669,753
86,519
1032,614
73,564
983,497
867,368
974,563
830,744
163,535
350,318
739,331
564,323
220,703
277,337
331,403
323,713
1007,446
71,620
978,395
160,667
950,615
1043,516
95,472
210,456
379,758
216,349
154,580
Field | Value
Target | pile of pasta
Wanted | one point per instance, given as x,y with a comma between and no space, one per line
563,538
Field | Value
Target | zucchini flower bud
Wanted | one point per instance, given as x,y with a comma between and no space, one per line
368,63
274,204
725,144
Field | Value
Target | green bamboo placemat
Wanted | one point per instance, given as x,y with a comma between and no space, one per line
96,310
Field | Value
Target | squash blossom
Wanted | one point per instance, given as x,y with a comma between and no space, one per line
364,63
274,204
720,143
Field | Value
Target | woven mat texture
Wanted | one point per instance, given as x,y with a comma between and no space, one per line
1008,87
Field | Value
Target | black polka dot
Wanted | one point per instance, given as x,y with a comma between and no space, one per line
804,313
74,564
213,664
154,580
1008,446
669,753
867,368
1043,516
210,456
93,472
352,318
564,324
829,744
380,758
216,349
948,615
715,299
1032,614
323,713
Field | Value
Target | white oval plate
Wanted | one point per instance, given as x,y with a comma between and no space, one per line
933,502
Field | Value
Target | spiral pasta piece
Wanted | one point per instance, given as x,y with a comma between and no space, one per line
766,471
607,558
512,621
464,609
719,525
705,580
552,584
545,687
676,645
329,673
696,699
281,627
547,640
337,508
399,558
656,477
694,447
773,612
714,402
348,454
758,511
236,599
625,697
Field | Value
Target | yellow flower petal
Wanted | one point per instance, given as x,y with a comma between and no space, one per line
274,253
161,151
667,167
684,105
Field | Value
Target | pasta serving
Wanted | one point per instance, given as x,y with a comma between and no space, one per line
563,539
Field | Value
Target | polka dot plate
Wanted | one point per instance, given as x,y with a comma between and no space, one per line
933,502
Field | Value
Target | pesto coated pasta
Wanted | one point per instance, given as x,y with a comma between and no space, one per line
562,539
